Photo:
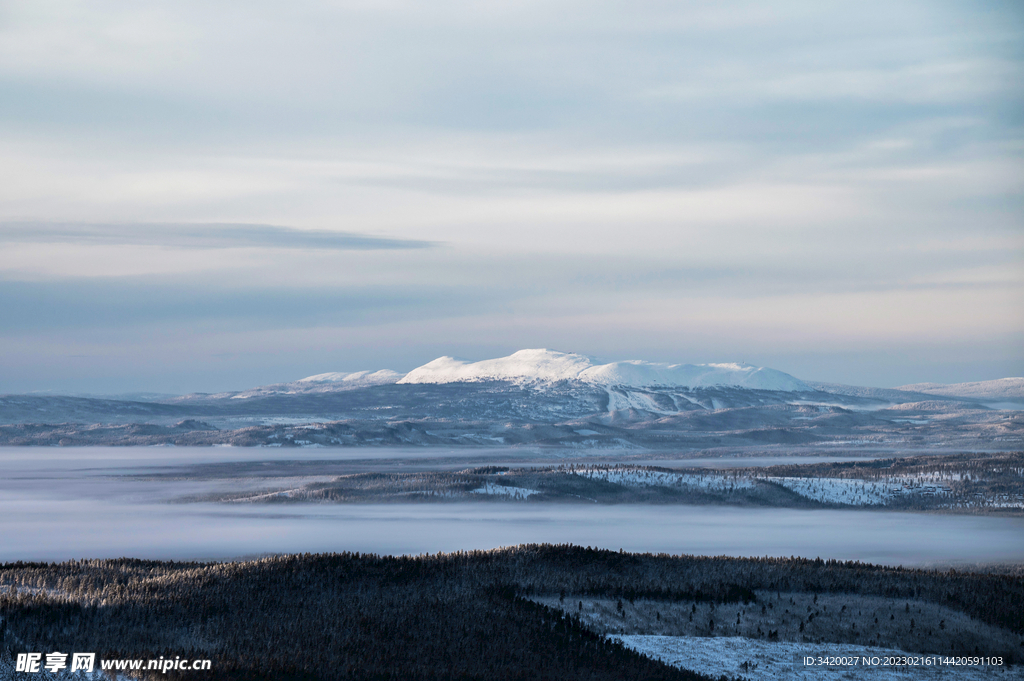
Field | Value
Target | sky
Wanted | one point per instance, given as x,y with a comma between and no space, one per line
205,196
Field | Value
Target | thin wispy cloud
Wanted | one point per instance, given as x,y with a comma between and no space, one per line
197,236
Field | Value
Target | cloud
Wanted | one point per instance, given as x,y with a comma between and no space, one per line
332,180
198,236
118,304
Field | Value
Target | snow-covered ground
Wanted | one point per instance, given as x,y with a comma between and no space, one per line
622,400
936,476
1006,501
856,492
771,661
844,491
503,490
715,482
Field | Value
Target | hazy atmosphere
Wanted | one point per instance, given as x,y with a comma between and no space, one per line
212,196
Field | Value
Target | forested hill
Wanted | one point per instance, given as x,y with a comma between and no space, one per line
452,616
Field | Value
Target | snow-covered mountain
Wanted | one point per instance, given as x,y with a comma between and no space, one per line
535,397
549,366
536,386
542,369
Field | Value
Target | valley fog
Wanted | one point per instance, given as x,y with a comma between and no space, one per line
60,504
60,530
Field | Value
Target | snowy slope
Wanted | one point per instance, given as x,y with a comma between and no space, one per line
357,379
638,373
857,492
999,389
713,481
541,366
321,383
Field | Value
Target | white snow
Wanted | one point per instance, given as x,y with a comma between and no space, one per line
329,382
639,373
850,407
354,379
525,365
503,490
845,491
1005,501
531,366
856,492
775,661
625,400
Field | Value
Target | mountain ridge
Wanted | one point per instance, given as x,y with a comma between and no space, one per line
549,366
533,398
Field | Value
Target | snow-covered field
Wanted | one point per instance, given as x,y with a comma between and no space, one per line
770,661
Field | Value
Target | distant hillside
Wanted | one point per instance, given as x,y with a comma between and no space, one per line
1010,389
891,395
532,397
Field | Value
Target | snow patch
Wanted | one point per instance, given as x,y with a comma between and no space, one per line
503,490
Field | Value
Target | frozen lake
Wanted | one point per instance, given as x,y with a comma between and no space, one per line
58,504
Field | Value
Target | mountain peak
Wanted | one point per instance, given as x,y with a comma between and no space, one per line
549,366
522,366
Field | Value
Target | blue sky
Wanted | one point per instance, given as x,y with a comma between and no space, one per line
199,196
